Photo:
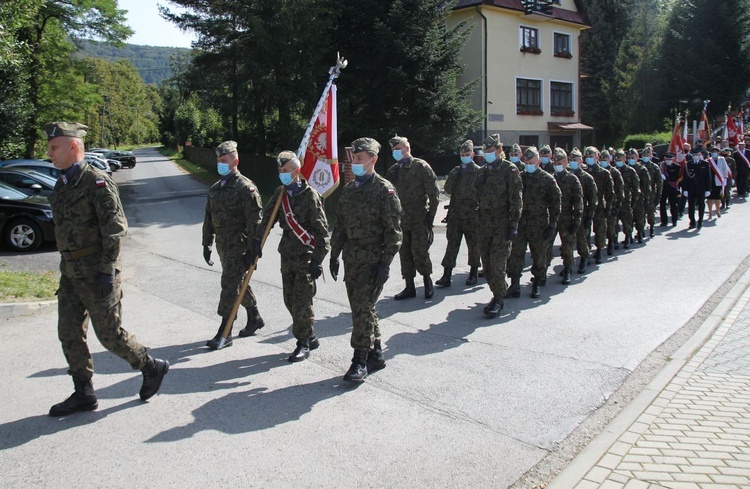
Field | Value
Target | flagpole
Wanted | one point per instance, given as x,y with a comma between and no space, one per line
334,73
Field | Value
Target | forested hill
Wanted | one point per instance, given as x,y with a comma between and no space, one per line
153,62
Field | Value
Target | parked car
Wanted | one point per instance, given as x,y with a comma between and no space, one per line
127,158
13,162
28,181
45,167
25,221
98,150
101,163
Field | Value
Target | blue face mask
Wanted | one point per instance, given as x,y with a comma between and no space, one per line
286,178
490,157
590,161
397,154
514,159
715,155
559,168
545,159
358,170
646,159
466,160
530,168
573,165
222,168
604,163
631,162
619,163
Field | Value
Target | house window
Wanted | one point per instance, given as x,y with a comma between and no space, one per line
528,97
561,99
557,2
562,46
529,40
528,141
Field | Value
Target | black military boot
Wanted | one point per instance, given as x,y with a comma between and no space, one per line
409,292
82,399
494,308
638,237
445,280
566,276
610,247
626,243
472,280
651,231
598,256
617,244
582,265
302,352
313,342
254,322
536,291
429,290
153,373
358,371
515,288
213,343
375,360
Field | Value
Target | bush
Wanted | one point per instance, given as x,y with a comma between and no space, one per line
639,141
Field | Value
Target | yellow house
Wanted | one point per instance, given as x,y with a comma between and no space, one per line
525,54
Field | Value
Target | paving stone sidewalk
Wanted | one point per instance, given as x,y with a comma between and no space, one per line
694,434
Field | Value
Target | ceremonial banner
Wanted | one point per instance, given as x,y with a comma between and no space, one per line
321,162
675,145
732,135
705,127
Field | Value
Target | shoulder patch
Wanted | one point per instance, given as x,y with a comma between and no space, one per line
100,182
514,168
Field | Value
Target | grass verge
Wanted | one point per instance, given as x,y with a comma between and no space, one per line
198,172
25,286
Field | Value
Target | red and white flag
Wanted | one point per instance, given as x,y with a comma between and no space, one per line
704,128
732,135
321,162
675,145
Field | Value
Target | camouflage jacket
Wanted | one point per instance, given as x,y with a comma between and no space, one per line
619,187
604,187
541,200
590,200
307,207
632,185
459,186
87,212
231,208
368,223
571,199
498,190
418,191
644,178
656,181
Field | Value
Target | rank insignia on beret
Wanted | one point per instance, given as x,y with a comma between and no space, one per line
391,191
101,183
252,189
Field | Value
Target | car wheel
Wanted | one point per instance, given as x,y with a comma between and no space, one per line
23,235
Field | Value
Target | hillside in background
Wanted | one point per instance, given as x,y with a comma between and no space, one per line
152,62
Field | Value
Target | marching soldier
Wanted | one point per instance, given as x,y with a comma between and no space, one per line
670,192
515,156
605,197
498,190
644,179
536,228
631,196
89,227
696,186
619,194
417,188
368,231
233,212
654,173
545,159
590,201
303,246
571,209
462,216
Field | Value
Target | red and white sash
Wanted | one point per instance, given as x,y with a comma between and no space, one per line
714,169
305,238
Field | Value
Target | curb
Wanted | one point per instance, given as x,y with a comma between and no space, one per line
577,469
16,309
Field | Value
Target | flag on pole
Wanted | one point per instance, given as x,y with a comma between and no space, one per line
685,131
675,145
321,163
741,132
732,130
705,127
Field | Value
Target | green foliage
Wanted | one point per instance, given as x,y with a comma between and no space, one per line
24,286
639,140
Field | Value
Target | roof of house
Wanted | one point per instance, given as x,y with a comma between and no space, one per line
557,13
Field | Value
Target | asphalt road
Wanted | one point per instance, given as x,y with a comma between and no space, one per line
463,402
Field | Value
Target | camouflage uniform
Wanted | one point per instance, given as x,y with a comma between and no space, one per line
571,210
613,215
89,227
297,282
631,197
639,211
605,199
588,184
654,172
548,166
233,212
462,214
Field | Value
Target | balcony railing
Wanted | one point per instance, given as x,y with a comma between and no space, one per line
543,7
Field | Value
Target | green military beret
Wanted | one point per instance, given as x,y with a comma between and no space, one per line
604,154
531,152
65,129
492,142
560,154
575,152
619,152
633,151
647,150
591,150
467,146
365,144
545,150
515,148
285,157
226,147
726,150
397,140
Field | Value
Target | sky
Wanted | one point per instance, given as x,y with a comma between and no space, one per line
150,28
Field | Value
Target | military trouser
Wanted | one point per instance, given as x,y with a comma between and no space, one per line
600,228
639,218
582,239
532,235
232,275
456,229
742,177
363,294
415,252
671,196
495,250
612,219
567,245
650,205
626,217
77,301
299,290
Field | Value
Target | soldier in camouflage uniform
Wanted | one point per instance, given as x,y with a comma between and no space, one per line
418,192
590,201
303,246
605,196
368,231
644,178
233,212
541,208
515,156
654,172
462,216
631,195
605,160
545,159
89,228
498,191
571,209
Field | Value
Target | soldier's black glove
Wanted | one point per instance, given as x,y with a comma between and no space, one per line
316,270
587,223
511,233
104,284
381,274
333,267
254,251
573,228
548,233
207,255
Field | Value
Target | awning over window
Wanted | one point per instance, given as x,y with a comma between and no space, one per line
568,126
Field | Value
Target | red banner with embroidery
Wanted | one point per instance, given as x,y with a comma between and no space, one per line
305,238
321,162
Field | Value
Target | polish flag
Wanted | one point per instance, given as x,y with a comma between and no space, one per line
321,163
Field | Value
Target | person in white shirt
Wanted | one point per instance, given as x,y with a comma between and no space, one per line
720,173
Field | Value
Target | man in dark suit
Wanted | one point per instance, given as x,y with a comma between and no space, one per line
742,158
696,184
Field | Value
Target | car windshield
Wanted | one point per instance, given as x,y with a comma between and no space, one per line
9,193
44,178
